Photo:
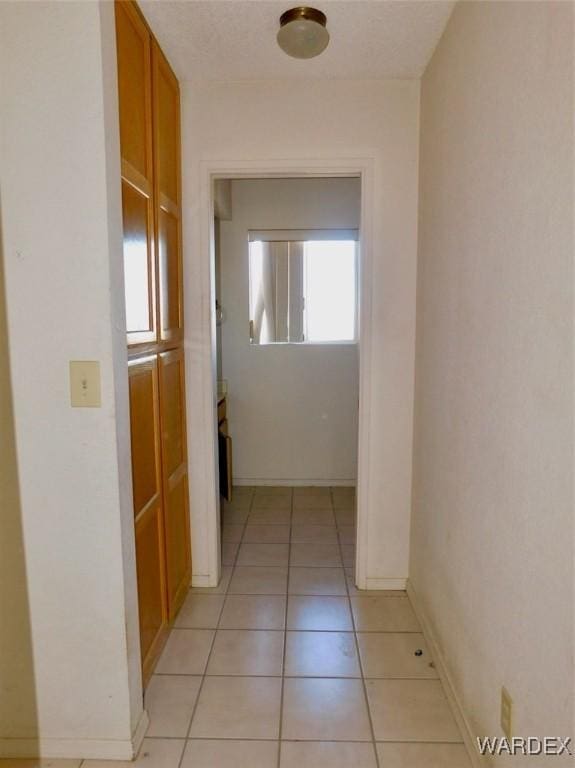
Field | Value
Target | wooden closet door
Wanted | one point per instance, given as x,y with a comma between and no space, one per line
133,43
148,508
166,114
175,479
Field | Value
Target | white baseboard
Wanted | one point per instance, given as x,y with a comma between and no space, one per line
294,482
469,738
140,732
202,580
78,749
386,583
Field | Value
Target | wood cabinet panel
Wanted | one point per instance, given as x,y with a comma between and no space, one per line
177,541
166,115
134,88
151,592
175,480
170,275
148,508
166,126
144,427
139,267
133,44
149,103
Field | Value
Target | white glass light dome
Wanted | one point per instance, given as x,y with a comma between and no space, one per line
302,33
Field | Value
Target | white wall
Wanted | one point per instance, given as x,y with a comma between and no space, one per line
61,222
292,408
265,122
492,530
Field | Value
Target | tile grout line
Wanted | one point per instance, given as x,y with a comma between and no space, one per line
204,675
363,683
280,730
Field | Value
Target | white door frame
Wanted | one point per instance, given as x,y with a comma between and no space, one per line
289,168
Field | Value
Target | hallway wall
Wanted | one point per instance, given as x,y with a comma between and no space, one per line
62,246
292,407
492,528
323,121
18,713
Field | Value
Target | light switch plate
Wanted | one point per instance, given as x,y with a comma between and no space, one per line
85,384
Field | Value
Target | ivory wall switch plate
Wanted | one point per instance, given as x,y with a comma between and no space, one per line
85,384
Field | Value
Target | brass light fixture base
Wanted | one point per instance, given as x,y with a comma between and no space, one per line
303,12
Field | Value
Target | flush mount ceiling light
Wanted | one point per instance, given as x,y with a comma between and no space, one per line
302,32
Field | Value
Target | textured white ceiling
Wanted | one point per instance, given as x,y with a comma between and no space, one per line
235,39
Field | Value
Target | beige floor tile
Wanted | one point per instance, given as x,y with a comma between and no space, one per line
343,498
239,501
274,490
266,534
343,490
346,534
270,516
155,753
312,490
256,580
222,587
247,652
313,517
326,754
344,505
230,753
317,581
390,654
324,710
238,708
170,702
312,502
232,516
312,534
410,710
271,502
232,532
384,614
348,555
320,555
393,755
200,612
253,612
344,517
242,491
263,554
36,762
328,614
229,552
186,652
321,654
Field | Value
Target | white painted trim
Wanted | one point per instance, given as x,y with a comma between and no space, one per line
362,167
386,583
86,749
294,482
201,580
469,737
140,732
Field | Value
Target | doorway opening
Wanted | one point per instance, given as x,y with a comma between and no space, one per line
288,263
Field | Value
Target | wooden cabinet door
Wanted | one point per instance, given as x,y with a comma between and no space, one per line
148,508
175,477
133,43
166,115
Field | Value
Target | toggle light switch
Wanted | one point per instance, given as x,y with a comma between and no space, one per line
85,383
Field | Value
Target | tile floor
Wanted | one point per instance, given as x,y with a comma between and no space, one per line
286,664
